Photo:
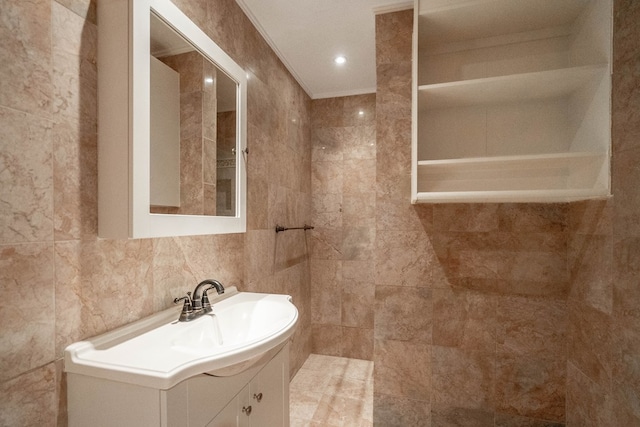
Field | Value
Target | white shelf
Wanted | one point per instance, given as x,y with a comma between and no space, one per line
450,21
513,196
511,78
510,88
545,177
511,161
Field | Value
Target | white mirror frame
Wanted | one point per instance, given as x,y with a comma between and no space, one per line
123,123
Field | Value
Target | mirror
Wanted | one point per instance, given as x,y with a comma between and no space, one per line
172,135
193,121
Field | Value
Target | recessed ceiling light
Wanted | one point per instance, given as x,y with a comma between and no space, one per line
340,60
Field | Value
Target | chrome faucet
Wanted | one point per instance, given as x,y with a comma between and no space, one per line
201,301
198,304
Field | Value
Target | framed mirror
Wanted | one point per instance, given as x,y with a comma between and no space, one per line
172,126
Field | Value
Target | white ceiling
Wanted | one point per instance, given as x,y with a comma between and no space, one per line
308,34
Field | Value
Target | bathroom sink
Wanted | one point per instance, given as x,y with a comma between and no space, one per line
246,321
160,352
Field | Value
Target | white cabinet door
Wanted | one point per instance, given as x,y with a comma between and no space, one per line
268,395
228,417
262,402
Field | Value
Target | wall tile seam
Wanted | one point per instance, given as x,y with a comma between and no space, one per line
55,361
343,327
546,422
428,342
428,286
609,389
576,300
34,116
607,384
624,149
578,232
411,399
51,242
496,293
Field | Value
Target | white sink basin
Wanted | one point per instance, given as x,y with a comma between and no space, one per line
160,352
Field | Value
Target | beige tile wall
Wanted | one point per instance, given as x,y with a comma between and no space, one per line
59,283
500,314
603,379
343,169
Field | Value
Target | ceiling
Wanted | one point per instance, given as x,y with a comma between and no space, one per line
308,34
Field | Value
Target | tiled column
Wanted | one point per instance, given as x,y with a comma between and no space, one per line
626,223
343,185
603,379
403,256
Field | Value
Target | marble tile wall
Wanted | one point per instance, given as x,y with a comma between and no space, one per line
626,218
343,167
590,304
603,379
470,299
506,314
59,282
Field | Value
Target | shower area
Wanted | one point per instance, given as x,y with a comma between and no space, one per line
472,314
461,307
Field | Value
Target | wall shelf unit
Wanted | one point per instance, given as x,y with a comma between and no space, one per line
510,88
511,100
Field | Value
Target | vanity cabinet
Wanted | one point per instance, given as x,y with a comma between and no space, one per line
511,100
202,400
262,402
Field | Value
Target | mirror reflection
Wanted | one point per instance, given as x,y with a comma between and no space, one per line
193,129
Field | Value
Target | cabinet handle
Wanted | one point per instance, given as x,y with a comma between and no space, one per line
246,410
258,397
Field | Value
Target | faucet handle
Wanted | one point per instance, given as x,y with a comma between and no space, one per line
187,308
186,298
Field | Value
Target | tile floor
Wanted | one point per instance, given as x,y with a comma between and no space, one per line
332,391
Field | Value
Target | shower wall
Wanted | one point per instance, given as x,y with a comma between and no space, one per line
470,313
499,314
343,137
603,370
